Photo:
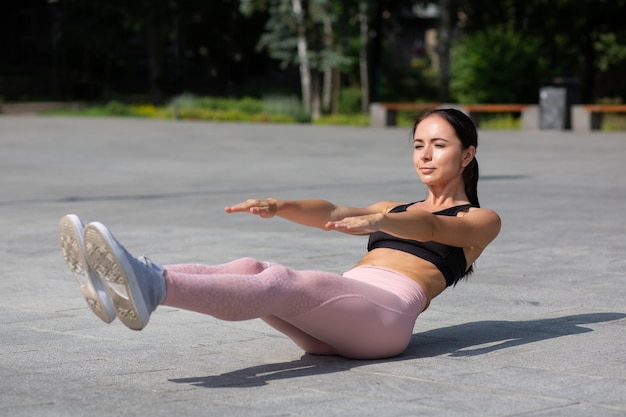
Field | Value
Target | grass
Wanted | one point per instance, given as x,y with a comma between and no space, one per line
499,121
275,109
346,119
279,109
613,122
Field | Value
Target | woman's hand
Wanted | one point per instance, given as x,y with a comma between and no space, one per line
321,214
264,208
357,225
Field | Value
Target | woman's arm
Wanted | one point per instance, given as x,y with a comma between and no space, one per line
314,213
475,229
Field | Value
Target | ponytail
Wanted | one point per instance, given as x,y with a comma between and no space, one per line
470,179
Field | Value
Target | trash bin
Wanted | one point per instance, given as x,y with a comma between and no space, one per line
556,98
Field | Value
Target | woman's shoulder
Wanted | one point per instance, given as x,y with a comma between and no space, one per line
485,217
484,211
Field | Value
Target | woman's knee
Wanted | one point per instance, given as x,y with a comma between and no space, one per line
248,265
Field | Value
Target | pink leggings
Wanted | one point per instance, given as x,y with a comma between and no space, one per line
367,313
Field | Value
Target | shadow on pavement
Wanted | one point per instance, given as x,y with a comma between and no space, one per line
469,339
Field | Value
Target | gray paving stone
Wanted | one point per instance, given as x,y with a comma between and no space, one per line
539,330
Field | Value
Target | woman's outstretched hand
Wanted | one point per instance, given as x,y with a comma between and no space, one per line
265,208
358,225
321,214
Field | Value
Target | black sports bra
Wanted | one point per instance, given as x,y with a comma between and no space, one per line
450,260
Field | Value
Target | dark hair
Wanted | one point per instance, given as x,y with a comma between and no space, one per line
466,132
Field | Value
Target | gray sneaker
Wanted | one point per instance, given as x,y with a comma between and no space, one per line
94,290
136,286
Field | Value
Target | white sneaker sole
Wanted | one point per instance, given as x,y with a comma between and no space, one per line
109,261
95,291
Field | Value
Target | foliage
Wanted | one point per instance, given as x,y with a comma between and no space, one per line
115,108
231,115
277,109
309,34
407,84
279,37
170,46
350,100
285,110
613,122
500,121
611,85
578,38
288,105
345,119
103,50
496,65
611,50
246,105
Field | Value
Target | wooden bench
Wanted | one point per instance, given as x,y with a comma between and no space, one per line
475,110
586,117
385,114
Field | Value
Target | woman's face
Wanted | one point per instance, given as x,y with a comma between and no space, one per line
438,153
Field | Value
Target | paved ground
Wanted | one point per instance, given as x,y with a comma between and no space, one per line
539,330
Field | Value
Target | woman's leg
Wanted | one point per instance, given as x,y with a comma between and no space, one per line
304,340
321,312
374,320
251,289
238,266
364,314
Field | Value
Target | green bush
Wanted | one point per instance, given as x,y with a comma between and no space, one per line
231,115
286,105
346,119
613,122
500,121
496,66
399,82
116,108
350,100
246,105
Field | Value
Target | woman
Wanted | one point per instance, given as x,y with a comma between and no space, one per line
415,252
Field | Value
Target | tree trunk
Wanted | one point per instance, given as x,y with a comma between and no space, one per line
334,109
305,70
329,43
443,48
155,57
316,104
363,57
375,48
327,90
589,72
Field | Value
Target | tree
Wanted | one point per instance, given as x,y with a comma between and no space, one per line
160,47
363,55
150,15
578,38
303,54
302,33
443,50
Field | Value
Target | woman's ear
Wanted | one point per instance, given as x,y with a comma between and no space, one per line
468,155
